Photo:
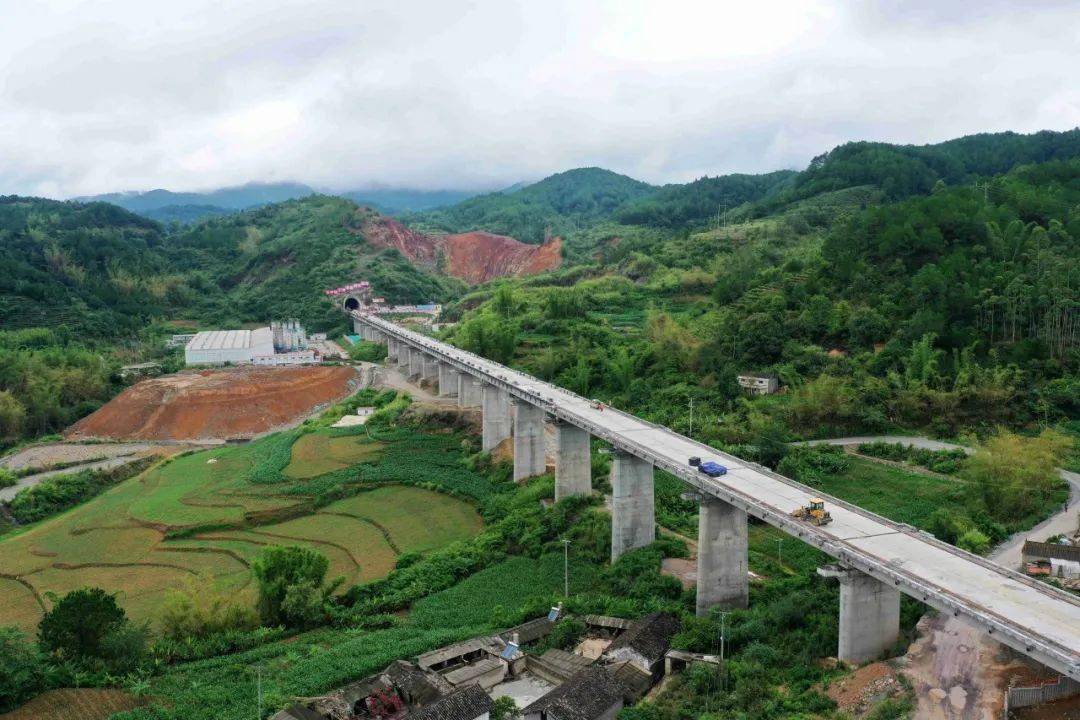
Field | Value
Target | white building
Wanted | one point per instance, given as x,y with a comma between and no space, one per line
297,357
218,347
759,384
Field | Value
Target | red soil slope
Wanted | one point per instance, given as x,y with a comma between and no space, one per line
217,404
475,257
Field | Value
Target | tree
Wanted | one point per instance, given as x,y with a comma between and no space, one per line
78,623
1015,475
286,575
504,708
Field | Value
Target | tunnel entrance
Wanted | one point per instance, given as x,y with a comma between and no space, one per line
352,303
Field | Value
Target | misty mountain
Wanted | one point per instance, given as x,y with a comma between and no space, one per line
240,197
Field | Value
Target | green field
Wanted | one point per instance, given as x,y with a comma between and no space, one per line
902,495
321,452
208,514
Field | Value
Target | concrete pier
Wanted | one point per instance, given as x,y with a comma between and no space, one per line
430,368
633,512
529,451
722,556
497,422
403,359
869,615
448,380
469,391
392,349
416,363
573,462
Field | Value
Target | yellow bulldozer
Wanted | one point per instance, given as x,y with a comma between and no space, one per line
813,512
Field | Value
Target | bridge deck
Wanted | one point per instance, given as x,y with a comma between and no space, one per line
1030,616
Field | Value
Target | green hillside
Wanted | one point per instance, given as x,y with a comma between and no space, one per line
85,288
275,261
556,205
950,311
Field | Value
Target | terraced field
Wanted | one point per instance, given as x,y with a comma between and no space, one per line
209,514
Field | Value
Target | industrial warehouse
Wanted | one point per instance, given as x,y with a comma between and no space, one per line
282,343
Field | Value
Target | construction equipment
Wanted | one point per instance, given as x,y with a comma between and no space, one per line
813,512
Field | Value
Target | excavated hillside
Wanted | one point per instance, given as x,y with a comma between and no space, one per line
475,257
235,403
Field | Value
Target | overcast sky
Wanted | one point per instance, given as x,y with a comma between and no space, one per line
132,95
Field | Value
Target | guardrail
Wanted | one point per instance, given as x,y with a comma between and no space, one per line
1045,650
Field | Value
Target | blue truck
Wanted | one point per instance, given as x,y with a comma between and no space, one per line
709,467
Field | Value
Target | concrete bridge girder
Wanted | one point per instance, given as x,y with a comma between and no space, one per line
722,578
429,369
869,615
530,452
573,461
633,504
497,421
448,380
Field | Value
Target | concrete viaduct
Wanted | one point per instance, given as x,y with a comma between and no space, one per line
878,559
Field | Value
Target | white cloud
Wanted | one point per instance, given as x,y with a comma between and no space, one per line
101,96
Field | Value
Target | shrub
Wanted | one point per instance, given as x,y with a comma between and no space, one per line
365,351
974,541
504,708
812,465
88,626
21,674
287,576
195,611
7,478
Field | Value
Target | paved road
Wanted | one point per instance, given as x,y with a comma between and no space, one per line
1040,621
9,493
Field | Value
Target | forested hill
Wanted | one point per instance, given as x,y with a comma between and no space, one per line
556,205
105,272
95,268
276,260
952,311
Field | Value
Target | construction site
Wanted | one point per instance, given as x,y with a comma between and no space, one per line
218,405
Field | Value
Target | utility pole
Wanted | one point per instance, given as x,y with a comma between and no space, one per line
566,568
779,556
691,433
723,669
258,705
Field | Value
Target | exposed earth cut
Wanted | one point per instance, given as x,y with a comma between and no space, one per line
475,257
208,405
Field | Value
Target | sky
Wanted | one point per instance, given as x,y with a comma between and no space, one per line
116,95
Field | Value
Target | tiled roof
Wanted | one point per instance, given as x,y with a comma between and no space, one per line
468,703
1052,550
586,696
650,636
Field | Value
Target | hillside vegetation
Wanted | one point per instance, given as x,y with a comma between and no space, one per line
956,309
87,287
554,206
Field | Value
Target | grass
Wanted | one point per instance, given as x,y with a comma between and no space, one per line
901,495
76,704
321,452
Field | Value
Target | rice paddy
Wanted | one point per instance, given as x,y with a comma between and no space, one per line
203,515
